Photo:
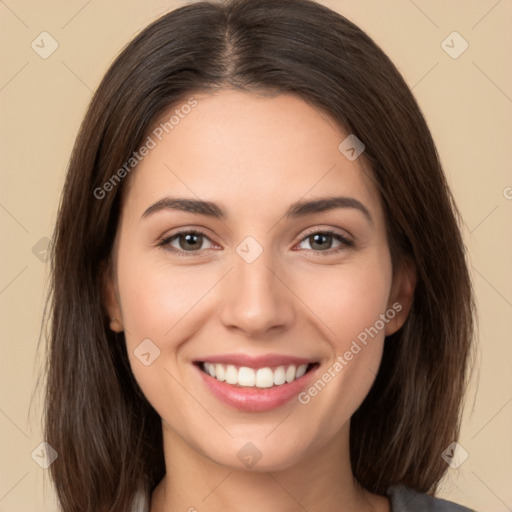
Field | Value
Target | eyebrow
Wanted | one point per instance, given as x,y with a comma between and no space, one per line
295,210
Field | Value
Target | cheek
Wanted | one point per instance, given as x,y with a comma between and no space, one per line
348,299
349,303
156,297
160,301
161,304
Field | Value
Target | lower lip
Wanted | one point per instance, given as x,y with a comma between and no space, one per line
252,399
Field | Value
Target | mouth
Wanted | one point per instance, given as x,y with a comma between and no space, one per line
259,378
255,388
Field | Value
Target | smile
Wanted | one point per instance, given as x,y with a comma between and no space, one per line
265,377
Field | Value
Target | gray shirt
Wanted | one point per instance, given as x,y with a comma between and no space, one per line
405,499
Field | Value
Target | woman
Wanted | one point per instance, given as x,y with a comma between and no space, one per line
260,294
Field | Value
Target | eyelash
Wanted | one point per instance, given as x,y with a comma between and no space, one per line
346,243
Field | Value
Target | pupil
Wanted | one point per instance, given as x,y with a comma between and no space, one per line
190,240
316,238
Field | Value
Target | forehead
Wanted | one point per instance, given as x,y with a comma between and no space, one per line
251,152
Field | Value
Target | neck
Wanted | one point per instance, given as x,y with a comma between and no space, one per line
322,480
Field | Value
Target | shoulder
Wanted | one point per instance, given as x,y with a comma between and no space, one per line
405,499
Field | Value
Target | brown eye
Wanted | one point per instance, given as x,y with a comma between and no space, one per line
187,242
321,241
191,241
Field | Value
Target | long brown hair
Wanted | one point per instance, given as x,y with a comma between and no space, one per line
107,435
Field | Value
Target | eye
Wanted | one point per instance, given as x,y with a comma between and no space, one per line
323,240
188,241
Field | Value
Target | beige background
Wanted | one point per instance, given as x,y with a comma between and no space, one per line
467,102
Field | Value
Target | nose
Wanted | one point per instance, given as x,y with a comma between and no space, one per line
256,299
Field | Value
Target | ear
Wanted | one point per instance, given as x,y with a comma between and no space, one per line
402,294
110,297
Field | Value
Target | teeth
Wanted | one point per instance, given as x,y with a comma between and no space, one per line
220,372
290,373
264,378
248,377
301,370
279,376
210,368
231,375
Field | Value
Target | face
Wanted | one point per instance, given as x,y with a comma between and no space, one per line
257,283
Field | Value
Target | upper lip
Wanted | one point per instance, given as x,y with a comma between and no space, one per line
256,361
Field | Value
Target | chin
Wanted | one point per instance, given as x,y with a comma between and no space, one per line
257,453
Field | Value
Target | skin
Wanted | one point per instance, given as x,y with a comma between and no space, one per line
254,155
